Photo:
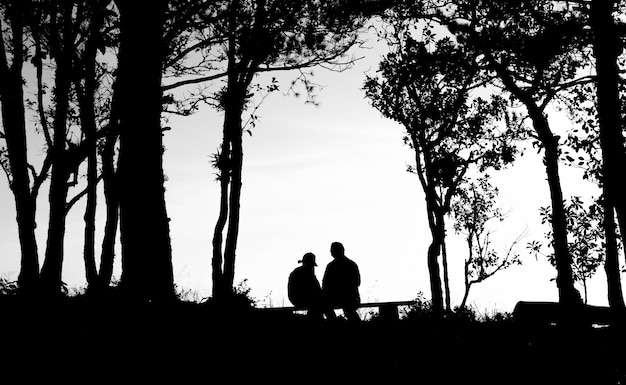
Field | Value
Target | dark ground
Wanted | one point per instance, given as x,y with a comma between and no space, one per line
87,341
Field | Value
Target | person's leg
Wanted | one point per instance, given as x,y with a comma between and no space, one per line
351,314
315,314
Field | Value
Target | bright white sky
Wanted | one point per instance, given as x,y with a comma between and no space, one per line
314,175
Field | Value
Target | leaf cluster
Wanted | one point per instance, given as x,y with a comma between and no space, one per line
435,90
585,230
536,47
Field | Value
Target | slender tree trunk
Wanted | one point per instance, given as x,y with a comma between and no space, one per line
224,179
89,256
232,234
221,289
607,47
424,172
14,125
146,247
434,270
224,269
88,123
230,165
111,200
568,295
468,284
63,52
446,279
611,264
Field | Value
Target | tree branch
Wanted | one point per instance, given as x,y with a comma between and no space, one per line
75,199
192,81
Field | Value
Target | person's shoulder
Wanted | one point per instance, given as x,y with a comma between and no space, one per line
352,263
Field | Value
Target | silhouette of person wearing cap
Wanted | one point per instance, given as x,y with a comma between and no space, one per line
303,288
340,285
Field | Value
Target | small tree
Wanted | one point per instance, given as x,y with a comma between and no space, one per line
431,86
473,206
585,242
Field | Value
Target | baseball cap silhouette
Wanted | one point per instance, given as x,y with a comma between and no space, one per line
308,259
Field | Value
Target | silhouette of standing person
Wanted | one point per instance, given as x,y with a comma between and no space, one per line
341,282
303,288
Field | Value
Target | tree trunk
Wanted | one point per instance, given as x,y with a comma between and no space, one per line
88,125
611,264
607,47
224,179
230,165
146,247
235,192
63,53
13,122
433,210
230,190
444,262
111,200
91,273
568,295
434,271
53,263
468,284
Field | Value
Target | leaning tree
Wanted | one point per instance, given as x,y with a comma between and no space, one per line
535,49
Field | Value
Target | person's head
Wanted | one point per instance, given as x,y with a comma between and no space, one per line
337,250
308,260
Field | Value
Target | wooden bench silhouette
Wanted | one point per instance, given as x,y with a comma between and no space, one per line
529,313
387,311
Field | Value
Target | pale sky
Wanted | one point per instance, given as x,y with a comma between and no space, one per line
314,175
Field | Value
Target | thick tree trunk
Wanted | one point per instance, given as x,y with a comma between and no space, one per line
146,247
607,47
14,125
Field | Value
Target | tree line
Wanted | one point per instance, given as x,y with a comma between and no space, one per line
469,80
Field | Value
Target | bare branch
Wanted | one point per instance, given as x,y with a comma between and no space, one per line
43,175
38,61
193,81
76,198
